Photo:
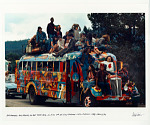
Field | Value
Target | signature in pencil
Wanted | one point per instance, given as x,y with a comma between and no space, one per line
137,114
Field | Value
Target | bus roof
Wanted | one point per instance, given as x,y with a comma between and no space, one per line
103,56
50,57
68,56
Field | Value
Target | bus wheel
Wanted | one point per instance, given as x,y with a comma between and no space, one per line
88,101
33,97
24,96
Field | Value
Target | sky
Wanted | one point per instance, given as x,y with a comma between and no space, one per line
24,26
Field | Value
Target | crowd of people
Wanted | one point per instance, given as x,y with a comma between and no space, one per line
73,40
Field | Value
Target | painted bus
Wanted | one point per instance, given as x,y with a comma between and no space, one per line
44,76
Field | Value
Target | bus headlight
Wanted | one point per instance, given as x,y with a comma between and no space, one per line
125,88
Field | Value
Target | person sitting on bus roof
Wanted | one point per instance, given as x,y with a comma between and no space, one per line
109,59
60,42
81,44
87,84
97,51
89,39
124,74
103,43
66,43
86,60
40,38
53,44
32,41
65,36
58,30
94,39
101,80
59,46
71,47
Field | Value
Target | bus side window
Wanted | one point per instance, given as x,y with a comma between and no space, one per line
44,66
24,65
39,66
29,66
20,66
34,66
50,66
62,67
56,66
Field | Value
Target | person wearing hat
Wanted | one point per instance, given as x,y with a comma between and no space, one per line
124,74
40,38
101,80
70,47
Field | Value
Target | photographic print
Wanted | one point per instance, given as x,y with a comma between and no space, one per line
75,60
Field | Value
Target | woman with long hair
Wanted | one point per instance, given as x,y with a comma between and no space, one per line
87,84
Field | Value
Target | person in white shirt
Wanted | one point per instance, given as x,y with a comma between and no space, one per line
61,42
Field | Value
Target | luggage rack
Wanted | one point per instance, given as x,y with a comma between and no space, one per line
29,50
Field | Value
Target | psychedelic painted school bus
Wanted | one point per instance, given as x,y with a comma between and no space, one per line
45,76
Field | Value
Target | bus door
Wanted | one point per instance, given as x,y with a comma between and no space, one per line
75,82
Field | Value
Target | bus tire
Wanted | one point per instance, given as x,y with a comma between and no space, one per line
88,100
32,96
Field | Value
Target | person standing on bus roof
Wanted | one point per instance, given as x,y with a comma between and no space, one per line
50,29
76,29
40,38
50,32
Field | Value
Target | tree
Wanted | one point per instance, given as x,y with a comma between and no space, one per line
13,57
86,30
120,26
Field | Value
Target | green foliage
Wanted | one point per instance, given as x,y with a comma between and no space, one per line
12,57
120,26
